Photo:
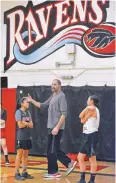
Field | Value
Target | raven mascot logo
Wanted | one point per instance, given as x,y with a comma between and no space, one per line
103,38
100,41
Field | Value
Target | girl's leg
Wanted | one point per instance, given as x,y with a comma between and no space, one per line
5,150
93,163
25,160
81,159
24,164
18,160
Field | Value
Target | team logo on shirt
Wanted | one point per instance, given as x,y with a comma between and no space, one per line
26,119
34,32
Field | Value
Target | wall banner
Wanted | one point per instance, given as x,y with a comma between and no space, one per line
34,32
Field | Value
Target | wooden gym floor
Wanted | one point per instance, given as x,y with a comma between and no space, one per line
37,167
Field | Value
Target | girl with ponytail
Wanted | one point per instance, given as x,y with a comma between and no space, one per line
90,118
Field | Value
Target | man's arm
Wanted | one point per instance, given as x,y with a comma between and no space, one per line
61,121
38,104
63,109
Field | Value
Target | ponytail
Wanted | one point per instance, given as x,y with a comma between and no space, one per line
95,100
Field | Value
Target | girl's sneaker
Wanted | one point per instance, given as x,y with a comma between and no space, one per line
19,177
27,176
7,163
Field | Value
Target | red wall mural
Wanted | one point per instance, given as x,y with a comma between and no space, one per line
9,104
34,32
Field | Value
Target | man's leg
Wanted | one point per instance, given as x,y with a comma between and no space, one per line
52,156
62,157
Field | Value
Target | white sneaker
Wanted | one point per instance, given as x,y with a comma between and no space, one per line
55,175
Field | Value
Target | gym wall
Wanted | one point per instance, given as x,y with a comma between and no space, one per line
76,99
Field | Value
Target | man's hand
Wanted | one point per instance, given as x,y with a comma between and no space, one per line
37,104
55,131
29,98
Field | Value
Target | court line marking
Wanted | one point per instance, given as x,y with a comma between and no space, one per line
103,174
33,168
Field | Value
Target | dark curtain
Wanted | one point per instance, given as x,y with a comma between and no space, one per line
76,100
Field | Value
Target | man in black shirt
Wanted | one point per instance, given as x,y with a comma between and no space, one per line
3,118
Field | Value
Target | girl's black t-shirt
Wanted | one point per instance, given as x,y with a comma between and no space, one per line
23,133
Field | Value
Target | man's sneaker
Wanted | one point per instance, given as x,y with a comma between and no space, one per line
91,181
7,163
19,177
81,181
71,167
55,175
27,176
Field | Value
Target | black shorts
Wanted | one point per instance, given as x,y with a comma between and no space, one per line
89,143
24,144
